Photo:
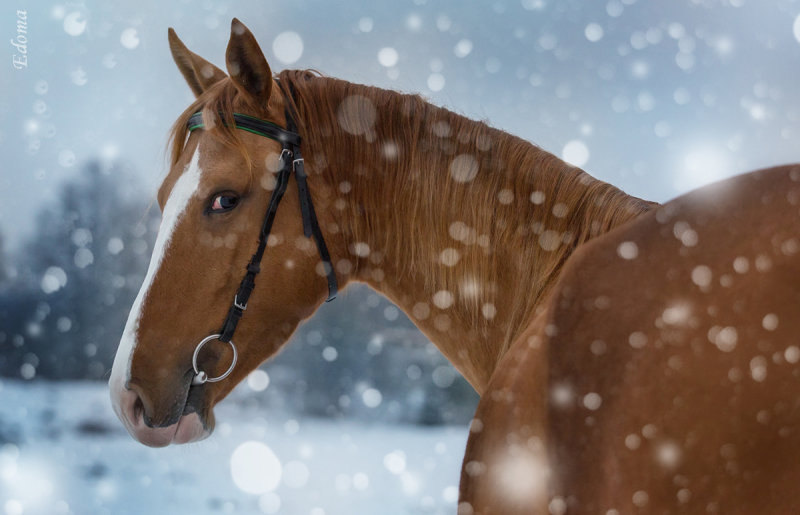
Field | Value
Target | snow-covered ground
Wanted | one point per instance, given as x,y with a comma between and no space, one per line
62,450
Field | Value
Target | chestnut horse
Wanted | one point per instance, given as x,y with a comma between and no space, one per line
641,374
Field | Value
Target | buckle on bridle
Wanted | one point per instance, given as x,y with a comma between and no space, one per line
237,304
283,152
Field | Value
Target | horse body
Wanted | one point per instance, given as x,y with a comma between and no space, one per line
584,382
671,370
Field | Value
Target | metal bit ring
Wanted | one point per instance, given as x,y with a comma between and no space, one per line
200,376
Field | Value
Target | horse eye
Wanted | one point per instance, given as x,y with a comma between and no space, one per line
223,202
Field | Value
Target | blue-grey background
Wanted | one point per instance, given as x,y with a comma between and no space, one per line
655,96
673,89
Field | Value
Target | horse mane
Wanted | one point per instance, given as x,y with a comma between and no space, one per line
515,181
405,160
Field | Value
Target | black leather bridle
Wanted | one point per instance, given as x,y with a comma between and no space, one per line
291,160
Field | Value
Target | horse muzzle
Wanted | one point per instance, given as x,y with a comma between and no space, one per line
134,410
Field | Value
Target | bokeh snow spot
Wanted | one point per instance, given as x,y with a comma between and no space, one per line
449,257
725,338
702,166
54,279
414,22
592,401
628,250
78,76
330,354
395,462
684,232
372,398
549,240
463,48
640,498
758,368
258,380
421,310
83,257
356,114
255,469
365,24
436,81
115,246
576,153
796,28
74,23
633,441
360,481
450,494
506,196
463,168
637,339
537,197
27,371
668,454
534,5
701,276
770,321
288,47
593,32
562,395
129,38
521,474
443,299
66,158
388,57
443,376
676,314
360,249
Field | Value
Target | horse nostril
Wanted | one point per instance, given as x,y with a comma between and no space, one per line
138,408
128,405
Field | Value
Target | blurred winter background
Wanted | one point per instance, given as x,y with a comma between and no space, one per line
361,414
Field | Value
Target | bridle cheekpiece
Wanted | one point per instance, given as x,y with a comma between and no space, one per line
291,161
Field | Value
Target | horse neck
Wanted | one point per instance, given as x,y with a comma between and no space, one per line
464,227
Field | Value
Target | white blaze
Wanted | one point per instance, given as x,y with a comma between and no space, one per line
184,189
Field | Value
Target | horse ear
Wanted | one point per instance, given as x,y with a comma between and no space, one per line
199,73
247,65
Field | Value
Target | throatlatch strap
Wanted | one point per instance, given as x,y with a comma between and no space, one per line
311,226
310,222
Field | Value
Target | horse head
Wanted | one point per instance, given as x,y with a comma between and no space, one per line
213,203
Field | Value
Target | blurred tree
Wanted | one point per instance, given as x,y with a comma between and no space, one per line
78,276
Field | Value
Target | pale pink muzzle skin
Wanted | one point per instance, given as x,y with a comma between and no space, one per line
189,428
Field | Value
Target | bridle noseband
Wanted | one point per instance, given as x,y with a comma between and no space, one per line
291,160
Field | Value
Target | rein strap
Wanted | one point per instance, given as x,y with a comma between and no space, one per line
291,161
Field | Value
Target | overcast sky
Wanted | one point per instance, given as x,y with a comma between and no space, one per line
655,96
